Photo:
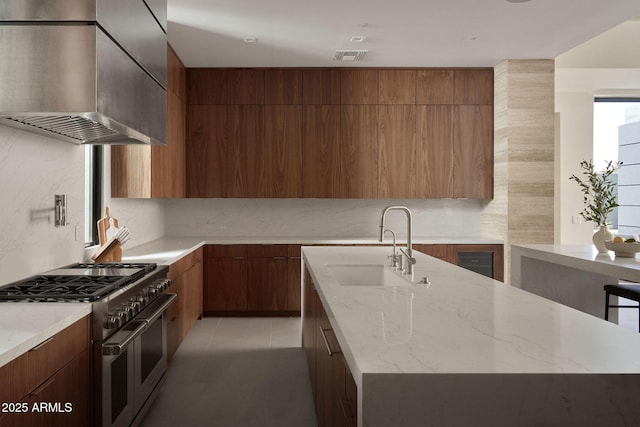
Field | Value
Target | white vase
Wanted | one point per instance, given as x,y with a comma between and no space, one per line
599,238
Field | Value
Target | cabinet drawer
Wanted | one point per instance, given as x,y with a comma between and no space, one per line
268,250
24,374
222,251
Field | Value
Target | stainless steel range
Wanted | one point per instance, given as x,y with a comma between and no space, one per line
128,332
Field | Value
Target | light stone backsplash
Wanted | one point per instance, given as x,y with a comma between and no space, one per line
349,218
33,169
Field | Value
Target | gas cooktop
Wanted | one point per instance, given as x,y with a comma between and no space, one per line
80,282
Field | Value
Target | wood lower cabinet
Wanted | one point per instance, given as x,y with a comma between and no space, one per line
56,374
468,254
186,277
252,280
334,389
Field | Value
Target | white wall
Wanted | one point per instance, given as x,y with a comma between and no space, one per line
32,170
319,217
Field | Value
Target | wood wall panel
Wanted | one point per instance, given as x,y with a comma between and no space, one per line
208,86
472,156
283,151
321,87
321,148
434,86
246,86
359,86
246,152
176,75
397,86
473,87
358,152
434,152
397,151
283,86
207,151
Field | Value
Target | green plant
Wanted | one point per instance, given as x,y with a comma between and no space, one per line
597,188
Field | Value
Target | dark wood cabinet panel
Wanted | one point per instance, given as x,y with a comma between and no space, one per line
207,151
357,156
309,328
283,151
283,86
359,86
208,86
434,86
246,151
293,284
246,86
397,148
472,154
397,87
176,75
321,148
434,151
440,251
321,87
473,87
265,284
225,284
168,174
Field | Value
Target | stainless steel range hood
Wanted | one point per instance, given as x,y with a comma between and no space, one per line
84,71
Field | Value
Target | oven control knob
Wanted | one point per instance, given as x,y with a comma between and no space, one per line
143,299
135,305
123,314
113,322
153,291
127,309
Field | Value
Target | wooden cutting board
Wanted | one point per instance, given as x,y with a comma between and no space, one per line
104,224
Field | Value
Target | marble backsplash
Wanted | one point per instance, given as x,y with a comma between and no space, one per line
319,217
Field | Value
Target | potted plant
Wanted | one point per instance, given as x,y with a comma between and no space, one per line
599,198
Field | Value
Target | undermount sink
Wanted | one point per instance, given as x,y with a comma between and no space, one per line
366,275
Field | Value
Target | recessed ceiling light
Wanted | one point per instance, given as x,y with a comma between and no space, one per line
357,39
249,39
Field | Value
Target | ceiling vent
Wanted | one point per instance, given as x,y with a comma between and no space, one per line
349,55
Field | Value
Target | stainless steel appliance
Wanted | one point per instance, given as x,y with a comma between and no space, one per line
129,329
85,71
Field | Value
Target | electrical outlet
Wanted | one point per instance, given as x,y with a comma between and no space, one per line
577,219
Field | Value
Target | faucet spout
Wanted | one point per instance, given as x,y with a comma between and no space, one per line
409,252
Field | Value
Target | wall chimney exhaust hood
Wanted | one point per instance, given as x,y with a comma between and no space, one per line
85,71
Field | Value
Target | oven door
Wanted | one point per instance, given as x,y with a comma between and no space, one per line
118,367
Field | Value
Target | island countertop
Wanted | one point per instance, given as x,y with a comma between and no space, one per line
468,349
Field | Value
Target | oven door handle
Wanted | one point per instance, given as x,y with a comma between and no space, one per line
156,307
115,348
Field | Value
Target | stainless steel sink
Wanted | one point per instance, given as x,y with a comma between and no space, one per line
366,275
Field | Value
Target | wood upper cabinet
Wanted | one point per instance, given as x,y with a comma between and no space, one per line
472,154
246,151
321,147
206,152
434,86
283,86
208,86
358,152
359,86
397,87
283,151
397,151
321,87
434,151
246,86
473,87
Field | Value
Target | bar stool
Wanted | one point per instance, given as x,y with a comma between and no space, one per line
631,292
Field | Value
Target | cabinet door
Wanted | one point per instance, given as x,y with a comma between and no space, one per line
246,86
473,151
359,86
434,152
321,140
293,284
168,173
321,87
397,147
434,86
357,153
283,86
226,284
440,251
175,317
246,153
283,151
397,86
206,151
473,87
267,284
309,327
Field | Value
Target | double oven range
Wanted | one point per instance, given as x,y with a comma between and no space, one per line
128,329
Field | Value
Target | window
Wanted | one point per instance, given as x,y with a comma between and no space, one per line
615,121
92,193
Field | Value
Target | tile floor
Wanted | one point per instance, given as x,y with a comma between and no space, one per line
240,372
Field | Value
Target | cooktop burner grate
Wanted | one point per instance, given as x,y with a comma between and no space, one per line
62,288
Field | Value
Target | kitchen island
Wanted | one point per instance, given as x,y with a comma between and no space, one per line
573,275
467,350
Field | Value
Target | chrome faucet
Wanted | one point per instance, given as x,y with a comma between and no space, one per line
409,252
396,260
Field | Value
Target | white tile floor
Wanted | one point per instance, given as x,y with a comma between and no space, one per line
240,372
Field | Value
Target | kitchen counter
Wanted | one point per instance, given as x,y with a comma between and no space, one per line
168,250
25,325
573,275
463,349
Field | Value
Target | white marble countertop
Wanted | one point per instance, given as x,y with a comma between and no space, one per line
583,257
461,323
168,250
25,325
